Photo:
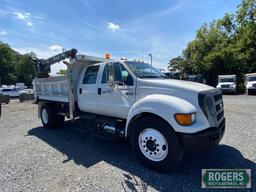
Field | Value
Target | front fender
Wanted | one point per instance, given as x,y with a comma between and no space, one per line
166,107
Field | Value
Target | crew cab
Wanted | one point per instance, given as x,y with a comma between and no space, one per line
250,83
227,83
163,118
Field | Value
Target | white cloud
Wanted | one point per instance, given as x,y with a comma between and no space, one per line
56,48
3,33
22,16
29,24
113,26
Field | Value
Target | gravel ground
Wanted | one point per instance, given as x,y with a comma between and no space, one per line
35,159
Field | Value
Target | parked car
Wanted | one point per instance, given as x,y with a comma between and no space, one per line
227,83
195,78
250,83
12,91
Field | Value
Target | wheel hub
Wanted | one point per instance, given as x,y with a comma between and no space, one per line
44,116
153,144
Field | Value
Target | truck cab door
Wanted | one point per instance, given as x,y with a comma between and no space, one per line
117,99
88,90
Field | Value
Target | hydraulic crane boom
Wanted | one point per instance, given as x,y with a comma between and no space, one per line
42,66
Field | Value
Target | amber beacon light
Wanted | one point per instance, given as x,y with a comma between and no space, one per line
107,56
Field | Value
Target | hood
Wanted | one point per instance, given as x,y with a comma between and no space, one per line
186,90
175,85
251,82
227,83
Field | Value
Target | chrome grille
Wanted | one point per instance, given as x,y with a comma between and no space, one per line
219,107
225,86
211,103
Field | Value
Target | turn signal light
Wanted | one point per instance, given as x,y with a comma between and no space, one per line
185,119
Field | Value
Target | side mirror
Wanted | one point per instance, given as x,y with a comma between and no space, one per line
112,85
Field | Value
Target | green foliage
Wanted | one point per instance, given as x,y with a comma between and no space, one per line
62,72
225,46
15,67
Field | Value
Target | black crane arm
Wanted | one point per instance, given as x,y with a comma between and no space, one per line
42,66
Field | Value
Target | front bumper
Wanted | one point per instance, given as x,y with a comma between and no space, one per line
228,90
202,140
252,90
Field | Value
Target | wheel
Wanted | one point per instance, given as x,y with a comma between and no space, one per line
155,144
49,117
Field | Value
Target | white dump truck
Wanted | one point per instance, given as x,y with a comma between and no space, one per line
162,118
250,83
227,83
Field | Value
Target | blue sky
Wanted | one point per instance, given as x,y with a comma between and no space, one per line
131,29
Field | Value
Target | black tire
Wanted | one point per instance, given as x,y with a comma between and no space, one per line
54,120
175,152
60,121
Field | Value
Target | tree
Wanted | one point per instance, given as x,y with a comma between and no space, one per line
8,59
15,67
224,46
25,69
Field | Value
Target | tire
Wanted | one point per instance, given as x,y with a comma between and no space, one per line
164,158
49,117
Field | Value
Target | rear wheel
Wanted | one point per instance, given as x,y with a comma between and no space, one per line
155,144
49,117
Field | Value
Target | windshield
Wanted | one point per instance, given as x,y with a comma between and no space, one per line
227,80
144,70
251,78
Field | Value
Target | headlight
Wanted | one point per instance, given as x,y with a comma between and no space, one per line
185,119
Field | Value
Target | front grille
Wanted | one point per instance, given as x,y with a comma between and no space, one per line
225,86
254,85
220,115
214,110
217,97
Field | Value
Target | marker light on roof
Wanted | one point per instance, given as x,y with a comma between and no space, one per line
107,56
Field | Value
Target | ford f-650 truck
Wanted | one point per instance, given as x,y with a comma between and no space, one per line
162,118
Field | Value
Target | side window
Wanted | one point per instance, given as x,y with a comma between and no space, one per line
105,75
120,74
117,73
126,76
112,69
90,75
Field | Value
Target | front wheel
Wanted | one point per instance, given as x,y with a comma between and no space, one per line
156,145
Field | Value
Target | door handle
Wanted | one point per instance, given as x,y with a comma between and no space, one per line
80,90
99,91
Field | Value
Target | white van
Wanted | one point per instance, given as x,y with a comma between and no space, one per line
250,83
227,83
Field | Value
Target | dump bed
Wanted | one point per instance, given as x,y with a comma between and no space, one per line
57,88
52,88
